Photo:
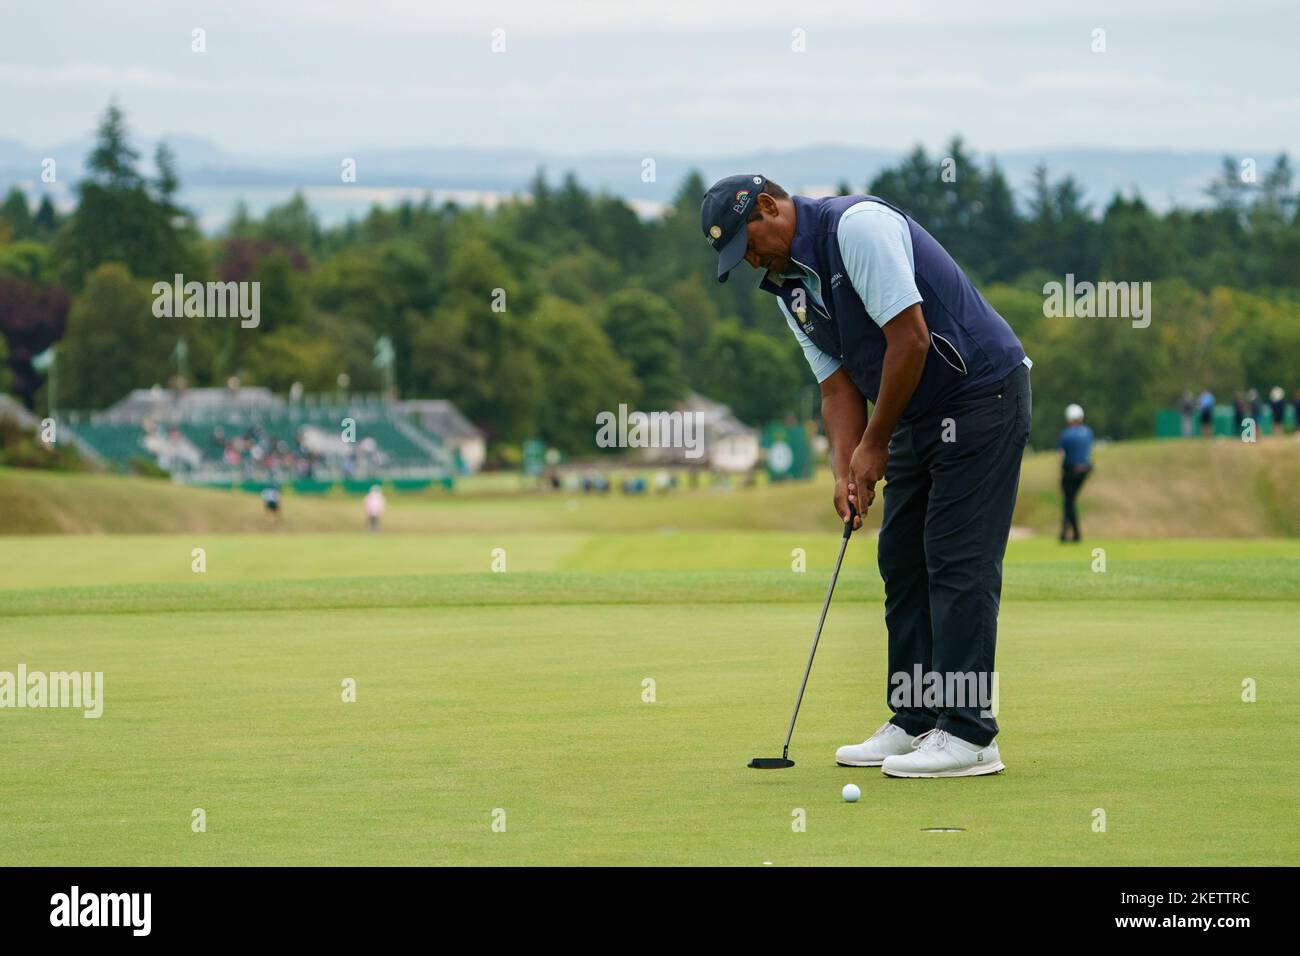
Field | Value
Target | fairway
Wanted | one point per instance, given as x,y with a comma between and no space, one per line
522,691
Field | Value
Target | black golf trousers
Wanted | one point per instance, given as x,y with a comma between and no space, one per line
950,487
1071,481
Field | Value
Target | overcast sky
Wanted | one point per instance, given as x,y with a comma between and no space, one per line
672,76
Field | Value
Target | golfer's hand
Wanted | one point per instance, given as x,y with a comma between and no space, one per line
846,492
866,467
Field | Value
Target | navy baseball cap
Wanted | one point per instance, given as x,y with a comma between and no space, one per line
726,208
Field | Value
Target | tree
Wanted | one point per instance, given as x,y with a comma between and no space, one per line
17,215
969,210
1060,235
381,288
752,373
690,300
1136,242
28,259
646,332
282,298
241,257
1272,224
679,247
617,232
241,226
32,318
295,354
477,348
1228,192
117,218
113,343
574,391
167,182
584,276
47,219
915,185
573,206
112,161
292,224
996,231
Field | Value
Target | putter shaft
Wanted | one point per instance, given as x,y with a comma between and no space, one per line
844,543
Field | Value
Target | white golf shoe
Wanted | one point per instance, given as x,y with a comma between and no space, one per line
938,753
888,741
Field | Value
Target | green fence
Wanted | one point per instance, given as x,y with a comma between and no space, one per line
1169,422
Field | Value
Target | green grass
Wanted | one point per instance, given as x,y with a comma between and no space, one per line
522,691
1147,489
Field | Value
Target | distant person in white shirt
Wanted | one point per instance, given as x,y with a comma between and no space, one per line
374,507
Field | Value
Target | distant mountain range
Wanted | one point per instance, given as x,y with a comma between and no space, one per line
210,175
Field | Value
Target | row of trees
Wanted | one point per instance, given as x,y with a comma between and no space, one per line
1249,237
535,316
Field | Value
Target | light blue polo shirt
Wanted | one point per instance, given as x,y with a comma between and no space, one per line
876,246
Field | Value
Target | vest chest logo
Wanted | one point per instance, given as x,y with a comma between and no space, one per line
835,279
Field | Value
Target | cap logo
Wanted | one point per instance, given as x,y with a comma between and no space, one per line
715,232
741,198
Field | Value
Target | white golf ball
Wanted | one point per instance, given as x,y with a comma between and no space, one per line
850,793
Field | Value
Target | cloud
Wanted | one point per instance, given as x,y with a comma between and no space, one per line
1104,82
724,17
584,75
89,75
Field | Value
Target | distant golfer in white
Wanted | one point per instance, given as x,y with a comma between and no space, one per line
374,507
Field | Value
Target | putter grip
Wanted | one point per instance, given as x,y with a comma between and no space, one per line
848,525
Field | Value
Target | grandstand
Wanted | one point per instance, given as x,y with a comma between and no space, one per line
248,437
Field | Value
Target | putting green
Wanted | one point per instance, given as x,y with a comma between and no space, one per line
523,692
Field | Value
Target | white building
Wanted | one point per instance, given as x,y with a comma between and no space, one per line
444,421
729,444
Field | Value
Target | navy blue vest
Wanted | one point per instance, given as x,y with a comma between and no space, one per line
971,346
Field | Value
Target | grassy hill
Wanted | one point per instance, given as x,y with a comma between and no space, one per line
1139,489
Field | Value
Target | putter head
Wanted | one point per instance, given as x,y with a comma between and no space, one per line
771,763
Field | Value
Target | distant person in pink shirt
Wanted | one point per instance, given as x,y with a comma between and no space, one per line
374,507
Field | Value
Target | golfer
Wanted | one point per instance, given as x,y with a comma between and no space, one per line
375,504
884,315
1075,447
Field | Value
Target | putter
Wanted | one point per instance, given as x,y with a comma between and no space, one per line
783,761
